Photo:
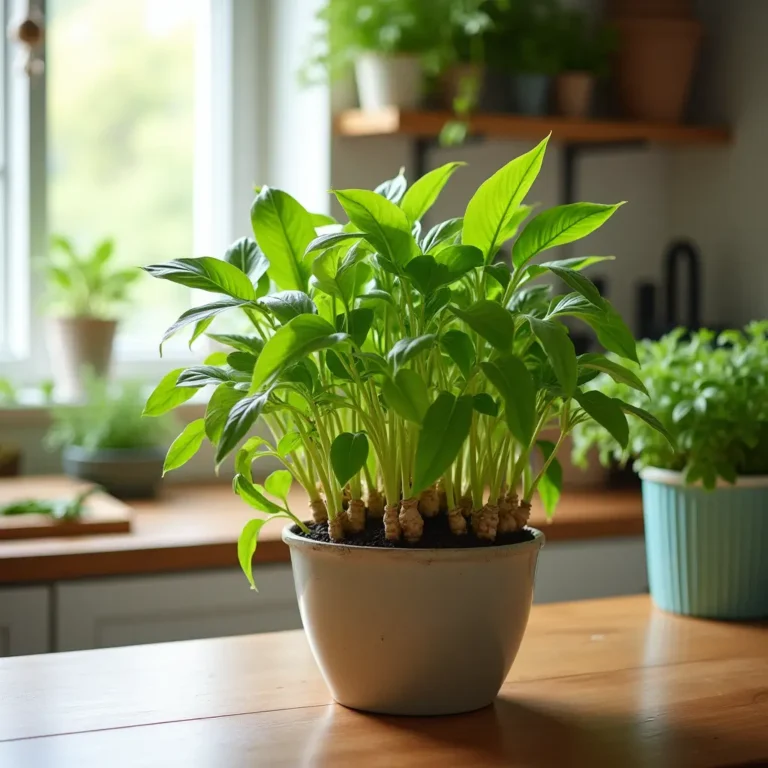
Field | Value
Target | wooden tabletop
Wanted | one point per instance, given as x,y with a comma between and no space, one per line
599,683
192,527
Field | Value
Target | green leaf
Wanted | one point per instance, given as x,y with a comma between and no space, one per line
206,274
500,273
375,295
247,453
437,301
349,453
607,412
616,371
296,339
222,400
336,366
551,483
303,372
247,257
459,347
484,403
286,305
578,262
289,442
166,395
558,226
648,418
459,259
253,494
251,345
278,484
406,349
246,548
424,191
185,446
322,242
407,395
216,358
322,220
356,324
515,385
393,189
283,230
491,321
239,421
496,201
553,337
580,284
200,328
202,375
444,430
442,235
203,312
385,225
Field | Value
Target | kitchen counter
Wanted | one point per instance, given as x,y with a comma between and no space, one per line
610,682
194,527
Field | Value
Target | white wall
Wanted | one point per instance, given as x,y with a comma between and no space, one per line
719,197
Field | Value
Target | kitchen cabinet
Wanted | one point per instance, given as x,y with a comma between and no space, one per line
24,620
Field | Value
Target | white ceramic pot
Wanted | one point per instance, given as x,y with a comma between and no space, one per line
76,344
414,631
389,81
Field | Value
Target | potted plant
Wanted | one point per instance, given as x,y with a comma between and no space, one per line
83,290
584,55
106,440
406,379
706,504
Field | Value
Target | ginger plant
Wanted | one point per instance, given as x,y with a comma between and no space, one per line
401,374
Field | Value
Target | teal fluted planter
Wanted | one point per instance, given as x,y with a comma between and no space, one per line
707,550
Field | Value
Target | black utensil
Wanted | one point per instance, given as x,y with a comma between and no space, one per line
679,252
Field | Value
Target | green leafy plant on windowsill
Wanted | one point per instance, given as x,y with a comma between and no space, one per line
86,285
110,417
709,392
403,374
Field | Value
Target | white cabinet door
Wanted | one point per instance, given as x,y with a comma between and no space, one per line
153,609
579,570
24,621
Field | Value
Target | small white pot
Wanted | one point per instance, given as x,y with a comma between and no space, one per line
389,81
414,631
74,344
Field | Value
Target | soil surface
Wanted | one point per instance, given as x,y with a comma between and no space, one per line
437,535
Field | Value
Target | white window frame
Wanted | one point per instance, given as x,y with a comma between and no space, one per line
254,48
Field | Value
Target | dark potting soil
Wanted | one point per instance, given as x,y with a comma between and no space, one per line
437,535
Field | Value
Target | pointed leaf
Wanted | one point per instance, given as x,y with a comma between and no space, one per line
289,442
321,242
222,400
206,274
286,305
166,395
554,338
407,348
607,412
559,226
485,404
278,484
459,347
283,230
407,395
424,191
648,418
393,189
296,339
496,201
204,311
246,548
489,319
580,284
616,371
253,494
500,273
551,483
444,430
239,421
247,257
441,235
515,385
185,446
250,344
349,452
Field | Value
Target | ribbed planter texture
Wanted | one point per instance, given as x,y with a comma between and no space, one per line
707,550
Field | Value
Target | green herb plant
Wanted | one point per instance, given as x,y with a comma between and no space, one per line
108,418
708,391
85,285
403,372
61,510
582,46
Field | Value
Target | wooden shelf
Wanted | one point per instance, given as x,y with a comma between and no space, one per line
395,122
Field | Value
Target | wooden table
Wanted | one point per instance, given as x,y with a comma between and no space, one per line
598,683
193,527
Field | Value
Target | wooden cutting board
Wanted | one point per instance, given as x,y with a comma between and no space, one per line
101,514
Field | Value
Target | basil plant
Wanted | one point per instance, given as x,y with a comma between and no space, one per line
402,373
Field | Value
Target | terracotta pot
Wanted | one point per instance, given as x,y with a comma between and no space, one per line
74,345
389,81
414,631
10,461
573,93
451,79
650,9
655,67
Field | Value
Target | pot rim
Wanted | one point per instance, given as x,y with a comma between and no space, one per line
672,477
427,555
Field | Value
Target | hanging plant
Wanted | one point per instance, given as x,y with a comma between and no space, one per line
405,376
